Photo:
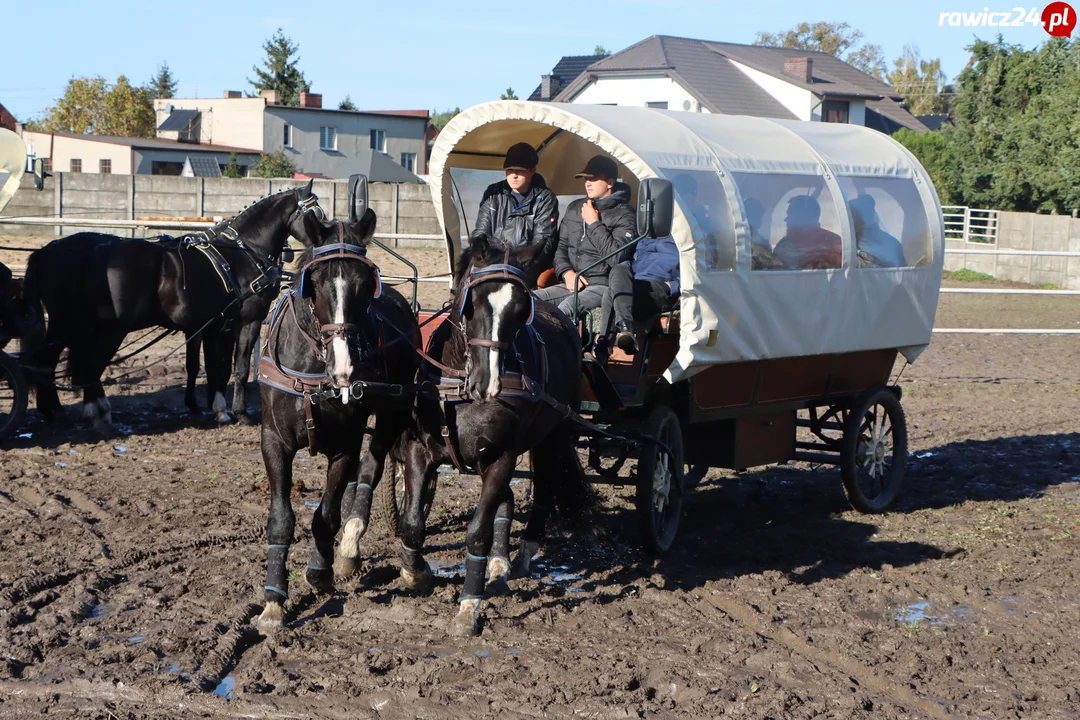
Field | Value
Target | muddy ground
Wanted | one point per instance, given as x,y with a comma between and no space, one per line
130,570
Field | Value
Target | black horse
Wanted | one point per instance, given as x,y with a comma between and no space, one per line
509,368
338,348
96,288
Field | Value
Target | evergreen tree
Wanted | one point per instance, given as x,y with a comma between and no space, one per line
163,84
233,169
509,94
346,104
280,71
600,50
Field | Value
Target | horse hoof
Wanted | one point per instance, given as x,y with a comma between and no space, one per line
242,418
523,560
224,418
498,573
345,566
321,581
467,622
271,618
417,581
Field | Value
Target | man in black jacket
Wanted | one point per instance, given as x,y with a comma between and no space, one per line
593,227
520,210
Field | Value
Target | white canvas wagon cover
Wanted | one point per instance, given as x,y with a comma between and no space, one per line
757,201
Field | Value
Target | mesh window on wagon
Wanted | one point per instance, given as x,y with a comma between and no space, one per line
892,228
793,221
704,203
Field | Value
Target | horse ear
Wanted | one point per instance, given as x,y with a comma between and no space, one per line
364,228
527,257
307,190
479,247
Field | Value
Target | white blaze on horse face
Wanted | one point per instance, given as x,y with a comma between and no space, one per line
343,369
498,300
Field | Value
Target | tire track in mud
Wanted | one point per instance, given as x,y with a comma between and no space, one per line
755,621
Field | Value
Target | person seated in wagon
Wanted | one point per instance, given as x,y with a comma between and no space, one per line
807,245
641,290
876,248
594,226
520,210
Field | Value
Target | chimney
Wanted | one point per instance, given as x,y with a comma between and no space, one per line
802,68
232,94
549,87
271,96
310,100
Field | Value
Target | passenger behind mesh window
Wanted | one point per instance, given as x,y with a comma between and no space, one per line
876,248
807,245
763,257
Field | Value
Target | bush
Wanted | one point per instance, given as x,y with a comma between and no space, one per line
274,165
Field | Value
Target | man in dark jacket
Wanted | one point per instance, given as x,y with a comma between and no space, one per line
520,210
593,227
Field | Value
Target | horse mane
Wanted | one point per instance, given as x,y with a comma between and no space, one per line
218,227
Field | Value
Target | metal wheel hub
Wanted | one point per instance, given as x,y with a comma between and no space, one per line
876,449
661,484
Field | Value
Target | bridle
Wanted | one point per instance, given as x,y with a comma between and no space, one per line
502,272
329,331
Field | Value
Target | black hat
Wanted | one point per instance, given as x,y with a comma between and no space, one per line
600,166
521,155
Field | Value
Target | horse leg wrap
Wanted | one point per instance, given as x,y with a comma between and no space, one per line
475,568
347,498
360,507
322,556
411,559
277,581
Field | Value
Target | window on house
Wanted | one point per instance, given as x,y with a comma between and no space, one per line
164,167
657,105
76,165
835,111
105,167
378,140
408,161
288,135
48,165
327,138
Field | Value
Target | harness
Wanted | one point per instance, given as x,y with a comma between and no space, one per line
313,387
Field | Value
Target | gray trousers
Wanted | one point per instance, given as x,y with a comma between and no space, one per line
588,298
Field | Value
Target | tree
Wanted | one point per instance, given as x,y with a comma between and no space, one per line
837,39
92,106
346,104
163,84
600,50
439,119
509,94
274,165
933,152
233,169
280,72
921,82
1016,141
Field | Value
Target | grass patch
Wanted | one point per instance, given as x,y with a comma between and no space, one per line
967,275
1048,286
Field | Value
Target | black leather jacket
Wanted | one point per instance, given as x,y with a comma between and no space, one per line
581,245
533,222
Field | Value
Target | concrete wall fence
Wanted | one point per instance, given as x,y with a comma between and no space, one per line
401,208
1026,231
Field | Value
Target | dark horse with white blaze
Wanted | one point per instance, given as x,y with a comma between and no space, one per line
96,288
508,370
338,348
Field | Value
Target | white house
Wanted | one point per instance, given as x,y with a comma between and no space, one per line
676,73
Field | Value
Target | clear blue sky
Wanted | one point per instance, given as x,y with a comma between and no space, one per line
421,54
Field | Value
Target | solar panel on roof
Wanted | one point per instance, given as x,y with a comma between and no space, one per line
203,166
178,120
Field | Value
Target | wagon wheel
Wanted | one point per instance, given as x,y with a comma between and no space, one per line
874,451
390,503
660,480
14,391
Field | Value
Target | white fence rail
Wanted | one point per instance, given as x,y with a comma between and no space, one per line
970,224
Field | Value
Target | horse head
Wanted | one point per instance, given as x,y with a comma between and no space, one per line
492,304
340,282
307,220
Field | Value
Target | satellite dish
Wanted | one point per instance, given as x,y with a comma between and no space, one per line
12,165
